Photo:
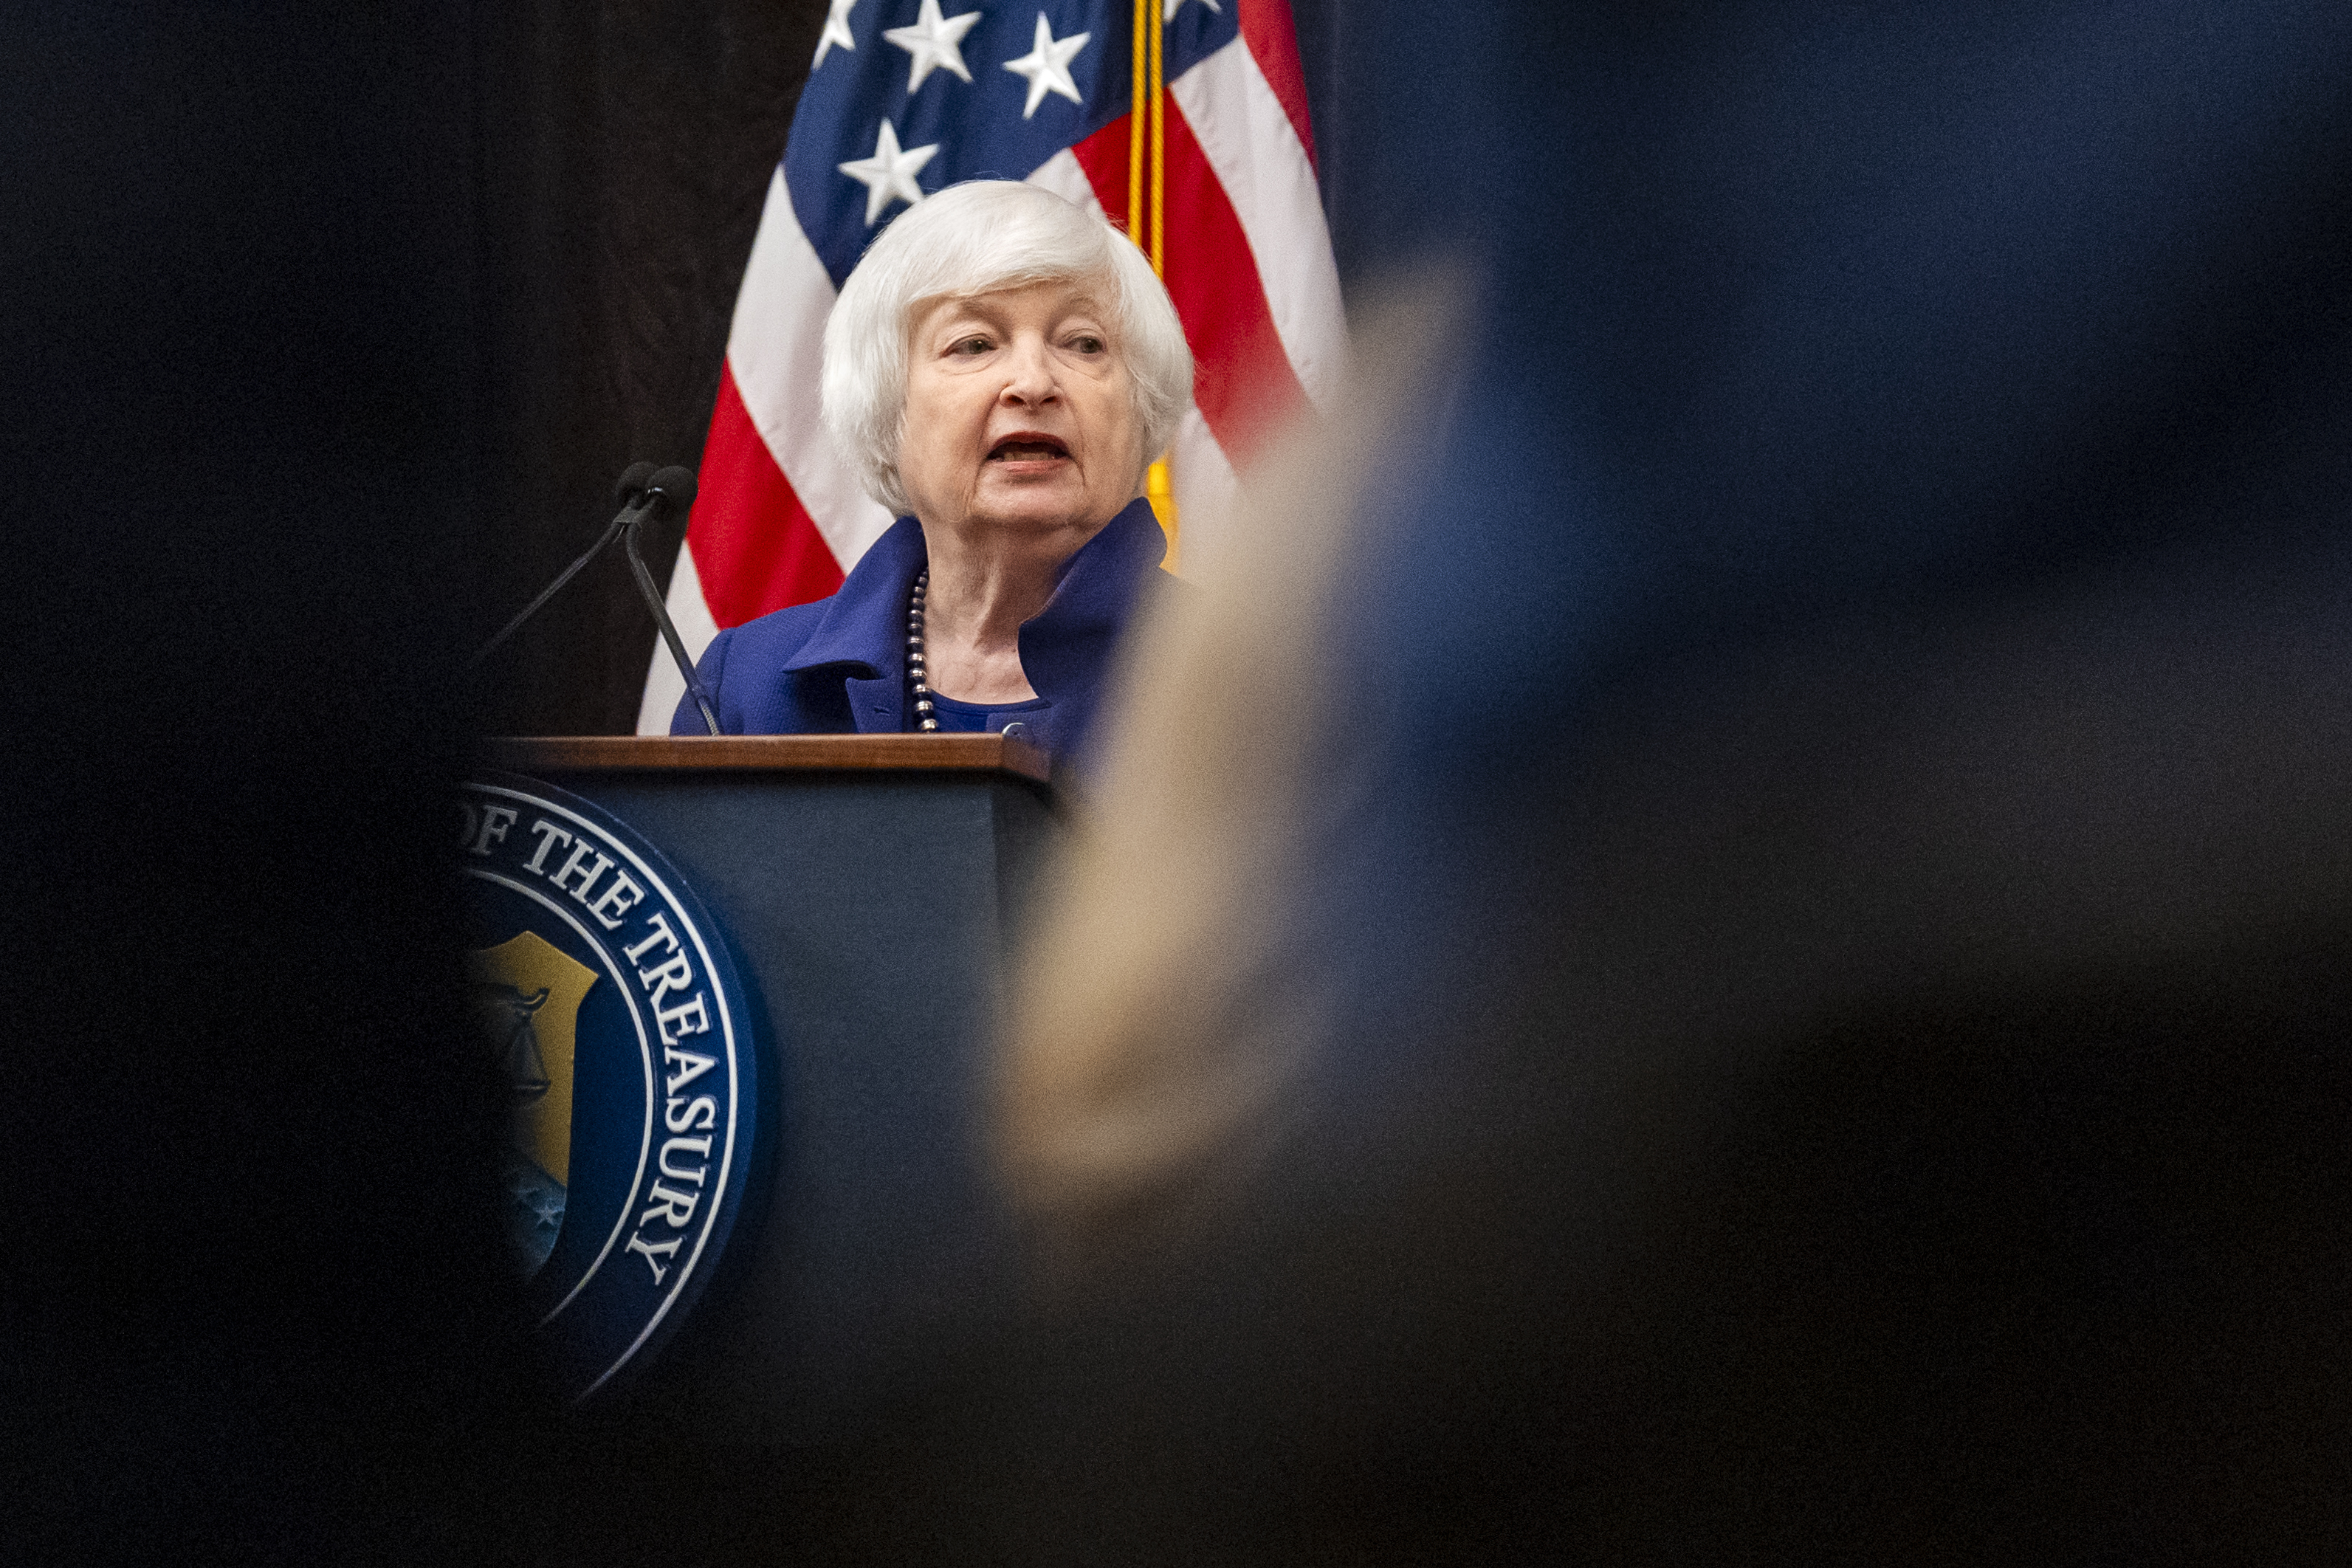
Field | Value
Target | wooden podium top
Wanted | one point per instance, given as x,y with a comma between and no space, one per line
798,753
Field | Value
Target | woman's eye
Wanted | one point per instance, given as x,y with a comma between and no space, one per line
972,346
1086,345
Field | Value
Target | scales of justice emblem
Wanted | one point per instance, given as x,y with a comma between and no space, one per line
529,993
622,1033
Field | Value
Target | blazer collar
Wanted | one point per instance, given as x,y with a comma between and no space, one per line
865,620
1066,647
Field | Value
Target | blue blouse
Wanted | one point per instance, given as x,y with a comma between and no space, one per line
988,718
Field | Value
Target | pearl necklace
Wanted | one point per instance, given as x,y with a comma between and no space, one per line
925,720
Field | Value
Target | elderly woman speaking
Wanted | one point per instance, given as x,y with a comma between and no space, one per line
1001,369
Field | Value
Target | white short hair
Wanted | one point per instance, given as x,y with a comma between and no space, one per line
976,239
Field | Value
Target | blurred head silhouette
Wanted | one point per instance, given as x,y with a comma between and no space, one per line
1726,942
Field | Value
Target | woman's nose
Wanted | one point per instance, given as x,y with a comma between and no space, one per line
1029,374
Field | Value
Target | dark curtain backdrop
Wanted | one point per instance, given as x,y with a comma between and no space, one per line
624,152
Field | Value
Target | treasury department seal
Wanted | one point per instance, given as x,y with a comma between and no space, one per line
607,997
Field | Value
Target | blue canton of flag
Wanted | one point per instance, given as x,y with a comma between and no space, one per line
905,99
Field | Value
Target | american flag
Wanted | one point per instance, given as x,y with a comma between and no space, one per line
904,98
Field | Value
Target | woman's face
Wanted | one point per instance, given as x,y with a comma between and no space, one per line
1019,413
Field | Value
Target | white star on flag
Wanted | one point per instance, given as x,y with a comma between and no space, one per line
934,41
836,31
1047,65
889,174
1175,6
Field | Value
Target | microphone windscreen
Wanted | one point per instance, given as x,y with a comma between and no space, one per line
633,481
676,483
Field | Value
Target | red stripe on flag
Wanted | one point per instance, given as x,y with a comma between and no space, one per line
1273,40
754,544
1241,380
1103,156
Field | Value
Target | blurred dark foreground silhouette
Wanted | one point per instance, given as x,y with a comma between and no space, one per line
257,1311
1731,946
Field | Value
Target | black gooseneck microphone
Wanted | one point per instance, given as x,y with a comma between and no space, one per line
672,487
631,493
642,493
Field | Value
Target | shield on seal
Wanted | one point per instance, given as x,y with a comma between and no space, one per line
528,993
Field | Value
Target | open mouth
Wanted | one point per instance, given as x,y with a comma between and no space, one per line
1027,446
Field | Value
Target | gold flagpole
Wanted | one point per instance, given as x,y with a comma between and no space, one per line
1138,134
1147,200
1158,25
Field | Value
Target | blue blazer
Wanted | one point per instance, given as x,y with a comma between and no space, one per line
839,665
